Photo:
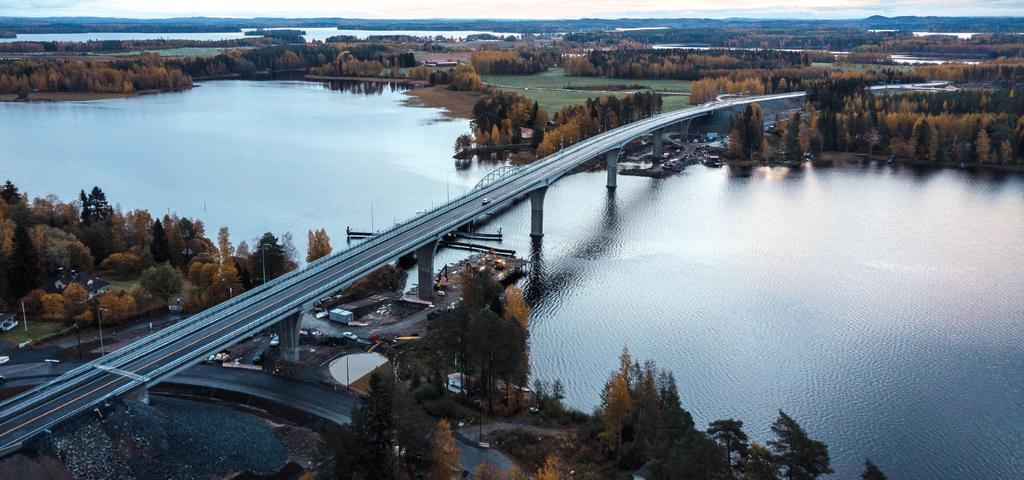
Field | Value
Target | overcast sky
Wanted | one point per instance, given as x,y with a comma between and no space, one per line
509,8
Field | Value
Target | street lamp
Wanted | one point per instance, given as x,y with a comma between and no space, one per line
99,320
263,260
371,216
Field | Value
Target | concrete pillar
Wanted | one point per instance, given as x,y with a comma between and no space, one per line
425,264
613,166
537,212
139,394
656,137
288,332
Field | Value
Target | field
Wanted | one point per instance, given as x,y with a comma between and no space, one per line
549,88
36,329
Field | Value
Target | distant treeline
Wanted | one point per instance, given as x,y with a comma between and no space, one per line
145,72
249,62
519,61
128,45
679,64
94,24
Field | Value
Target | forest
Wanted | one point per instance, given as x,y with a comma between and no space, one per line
162,259
127,45
141,73
678,64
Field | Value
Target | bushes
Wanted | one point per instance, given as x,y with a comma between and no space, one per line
122,265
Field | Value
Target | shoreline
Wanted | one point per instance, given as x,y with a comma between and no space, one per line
399,80
44,97
456,104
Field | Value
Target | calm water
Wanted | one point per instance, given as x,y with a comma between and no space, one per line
884,309
320,34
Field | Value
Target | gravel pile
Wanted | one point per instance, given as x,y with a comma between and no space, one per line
171,439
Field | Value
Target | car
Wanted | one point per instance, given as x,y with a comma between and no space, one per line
275,340
486,201
350,336
534,410
257,359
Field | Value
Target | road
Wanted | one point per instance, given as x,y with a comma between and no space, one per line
315,400
155,357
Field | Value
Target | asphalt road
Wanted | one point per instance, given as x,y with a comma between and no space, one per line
157,356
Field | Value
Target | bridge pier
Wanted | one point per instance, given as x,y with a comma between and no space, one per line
138,394
425,265
656,137
288,333
537,212
613,166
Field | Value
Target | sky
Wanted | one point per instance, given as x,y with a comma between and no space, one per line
539,9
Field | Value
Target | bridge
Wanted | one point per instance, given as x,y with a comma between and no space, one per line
278,304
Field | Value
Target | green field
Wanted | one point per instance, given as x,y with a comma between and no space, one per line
549,88
36,329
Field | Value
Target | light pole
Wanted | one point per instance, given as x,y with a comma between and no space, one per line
263,260
99,320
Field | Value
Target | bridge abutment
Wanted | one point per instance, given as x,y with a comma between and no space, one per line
425,265
537,212
613,166
288,333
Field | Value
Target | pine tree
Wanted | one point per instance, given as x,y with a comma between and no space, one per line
802,457
983,147
730,435
24,269
159,246
872,472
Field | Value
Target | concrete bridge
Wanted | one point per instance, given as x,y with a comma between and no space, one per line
279,303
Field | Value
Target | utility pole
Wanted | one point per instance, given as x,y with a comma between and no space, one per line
24,318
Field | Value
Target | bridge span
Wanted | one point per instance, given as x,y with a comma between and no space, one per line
278,304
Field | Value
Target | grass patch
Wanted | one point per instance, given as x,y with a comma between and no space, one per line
545,88
37,330
124,285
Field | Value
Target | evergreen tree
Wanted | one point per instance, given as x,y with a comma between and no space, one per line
760,464
872,472
268,257
9,193
24,269
159,246
730,435
801,457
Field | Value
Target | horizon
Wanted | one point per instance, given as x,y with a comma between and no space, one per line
522,10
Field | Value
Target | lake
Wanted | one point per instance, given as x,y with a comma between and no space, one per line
881,307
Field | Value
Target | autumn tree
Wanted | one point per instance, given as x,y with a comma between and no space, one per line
552,469
616,411
444,454
162,281
224,247
516,307
319,245
75,297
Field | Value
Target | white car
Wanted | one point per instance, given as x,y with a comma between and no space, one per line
486,201
275,340
350,336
